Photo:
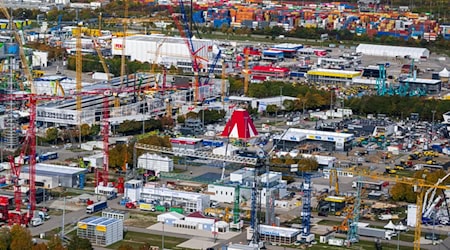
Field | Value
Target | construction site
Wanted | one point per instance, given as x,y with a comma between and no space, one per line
263,174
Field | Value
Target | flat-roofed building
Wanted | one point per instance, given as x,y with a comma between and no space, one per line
332,76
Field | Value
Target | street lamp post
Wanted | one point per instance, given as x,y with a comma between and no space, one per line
162,243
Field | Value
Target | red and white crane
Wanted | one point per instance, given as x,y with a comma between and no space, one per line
29,147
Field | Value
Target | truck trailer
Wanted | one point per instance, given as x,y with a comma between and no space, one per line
376,232
93,208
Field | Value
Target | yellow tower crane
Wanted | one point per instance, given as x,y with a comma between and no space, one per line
419,186
246,71
122,60
334,178
98,48
79,67
102,60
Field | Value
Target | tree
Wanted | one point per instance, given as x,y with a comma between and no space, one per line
398,191
78,243
288,105
20,238
308,164
85,130
125,247
167,122
181,119
51,135
55,243
95,130
40,246
117,155
5,238
272,109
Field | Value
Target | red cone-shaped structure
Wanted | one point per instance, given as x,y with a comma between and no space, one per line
240,126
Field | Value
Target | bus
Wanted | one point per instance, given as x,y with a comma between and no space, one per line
369,185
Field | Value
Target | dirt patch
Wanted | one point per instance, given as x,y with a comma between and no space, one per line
140,220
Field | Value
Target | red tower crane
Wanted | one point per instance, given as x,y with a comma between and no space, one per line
186,34
17,216
101,177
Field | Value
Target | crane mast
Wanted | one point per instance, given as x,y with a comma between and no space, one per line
122,58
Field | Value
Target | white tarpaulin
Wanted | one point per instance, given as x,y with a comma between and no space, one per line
221,150
392,51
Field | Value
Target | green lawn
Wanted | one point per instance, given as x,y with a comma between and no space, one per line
366,245
136,240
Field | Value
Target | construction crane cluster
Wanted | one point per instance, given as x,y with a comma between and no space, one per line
28,150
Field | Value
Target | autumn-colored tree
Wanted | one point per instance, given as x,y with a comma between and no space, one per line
40,246
167,122
289,161
125,247
55,243
181,119
308,164
398,191
5,238
117,155
146,246
405,192
20,238
85,131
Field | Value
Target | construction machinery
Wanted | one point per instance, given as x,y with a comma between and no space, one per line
125,21
78,67
185,32
343,227
334,178
98,49
246,71
58,87
102,176
420,186
23,58
155,62
29,148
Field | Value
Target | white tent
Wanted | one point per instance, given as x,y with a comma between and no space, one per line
392,51
228,149
444,73
390,226
400,227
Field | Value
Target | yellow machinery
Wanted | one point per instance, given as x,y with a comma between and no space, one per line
38,73
343,227
21,51
58,87
419,186
246,72
79,67
334,178
97,48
